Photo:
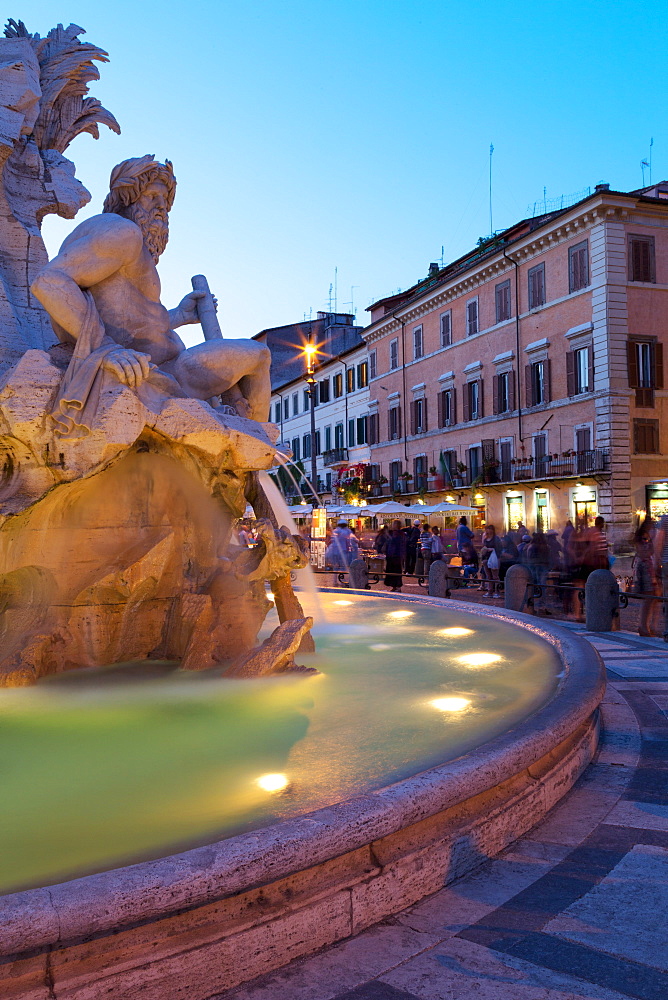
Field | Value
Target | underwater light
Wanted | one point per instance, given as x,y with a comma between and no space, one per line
479,659
450,704
454,631
272,782
342,604
400,614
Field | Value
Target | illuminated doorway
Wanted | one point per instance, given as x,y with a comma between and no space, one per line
584,506
542,511
514,511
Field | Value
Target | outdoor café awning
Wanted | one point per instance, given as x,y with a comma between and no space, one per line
441,508
391,507
300,509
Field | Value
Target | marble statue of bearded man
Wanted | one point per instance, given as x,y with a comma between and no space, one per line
102,293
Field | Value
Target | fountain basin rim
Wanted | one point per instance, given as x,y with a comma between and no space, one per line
123,897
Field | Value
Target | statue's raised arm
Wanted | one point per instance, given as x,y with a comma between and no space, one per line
113,257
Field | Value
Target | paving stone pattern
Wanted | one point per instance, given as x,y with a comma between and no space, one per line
578,908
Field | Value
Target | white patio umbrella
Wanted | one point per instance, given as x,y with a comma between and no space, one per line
450,508
391,507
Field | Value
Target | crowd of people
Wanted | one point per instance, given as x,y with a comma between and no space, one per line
572,554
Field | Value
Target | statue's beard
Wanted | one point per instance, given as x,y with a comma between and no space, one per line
154,227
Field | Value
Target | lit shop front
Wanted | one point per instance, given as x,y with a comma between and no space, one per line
656,498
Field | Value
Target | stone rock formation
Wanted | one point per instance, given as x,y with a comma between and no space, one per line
125,459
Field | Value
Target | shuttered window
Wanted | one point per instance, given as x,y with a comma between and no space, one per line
277,413
395,423
502,298
645,367
641,258
362,430
338,436
394,354
646,437
419,416
395,472
351,433
372,364
447,415
578,266
338,385
538,383
306,443
503,392
363,375
286,405
350,379
420,472
537,286
324,391
446,328
473,400
374,428
580,371
417,343
295,450
471,317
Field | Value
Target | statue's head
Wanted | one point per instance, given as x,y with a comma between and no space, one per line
142,190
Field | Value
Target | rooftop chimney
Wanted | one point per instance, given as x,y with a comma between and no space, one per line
602,187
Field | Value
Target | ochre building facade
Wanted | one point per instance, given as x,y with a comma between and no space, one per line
526,379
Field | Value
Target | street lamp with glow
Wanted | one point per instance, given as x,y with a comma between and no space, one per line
310,353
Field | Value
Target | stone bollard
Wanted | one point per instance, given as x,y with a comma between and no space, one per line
601,600
515,587
438,578
358,576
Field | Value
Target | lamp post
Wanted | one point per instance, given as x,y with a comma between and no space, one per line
310,351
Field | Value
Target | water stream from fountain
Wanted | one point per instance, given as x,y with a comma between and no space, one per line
304,578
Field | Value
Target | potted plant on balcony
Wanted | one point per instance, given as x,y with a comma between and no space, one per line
405,478
432,479
458,479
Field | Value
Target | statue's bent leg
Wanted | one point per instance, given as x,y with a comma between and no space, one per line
216,366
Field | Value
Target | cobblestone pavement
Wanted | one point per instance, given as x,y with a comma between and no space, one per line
578,908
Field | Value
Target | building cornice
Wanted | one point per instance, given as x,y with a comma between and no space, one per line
583,218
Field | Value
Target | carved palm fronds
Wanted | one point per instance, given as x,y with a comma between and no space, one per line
67,66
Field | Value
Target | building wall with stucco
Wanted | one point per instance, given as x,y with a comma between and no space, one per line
603,425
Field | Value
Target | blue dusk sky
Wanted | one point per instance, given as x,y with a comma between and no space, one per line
314,135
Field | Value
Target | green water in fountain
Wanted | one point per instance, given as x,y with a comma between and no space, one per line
104,767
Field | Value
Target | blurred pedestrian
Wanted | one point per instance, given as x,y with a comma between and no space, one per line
395,554
523,546
490,556
644,573
412,541
463,534
566,534
509,554
380,541
538,557
470,561
436,544
552,539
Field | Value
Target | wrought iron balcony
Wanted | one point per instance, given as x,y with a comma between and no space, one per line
580,463
335,456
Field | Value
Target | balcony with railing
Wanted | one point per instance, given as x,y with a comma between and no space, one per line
335,456
570,464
